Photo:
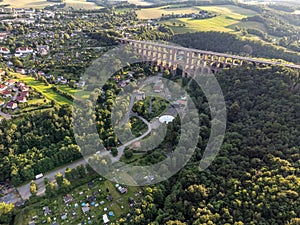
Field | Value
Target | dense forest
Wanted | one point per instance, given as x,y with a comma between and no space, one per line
255,177
35,143
229,43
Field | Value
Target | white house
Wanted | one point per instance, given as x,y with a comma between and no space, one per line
4,50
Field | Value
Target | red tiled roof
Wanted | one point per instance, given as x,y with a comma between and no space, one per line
23,94
4,49
21,98
11,104
7,92
24,49
20,84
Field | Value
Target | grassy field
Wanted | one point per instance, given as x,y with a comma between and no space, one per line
43,3
46,90
153,13
73,91
228,16
139,2
250,24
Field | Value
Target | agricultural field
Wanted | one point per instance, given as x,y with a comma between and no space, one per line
228,16
45,90
43,3
139,2
154,13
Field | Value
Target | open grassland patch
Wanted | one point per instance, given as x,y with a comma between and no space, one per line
228,17
45,90
154,13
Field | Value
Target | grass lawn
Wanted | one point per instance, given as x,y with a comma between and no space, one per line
73,91
46,90
250,25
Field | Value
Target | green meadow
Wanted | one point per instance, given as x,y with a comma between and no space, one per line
228,16
45,90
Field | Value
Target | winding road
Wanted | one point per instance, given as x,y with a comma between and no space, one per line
24,190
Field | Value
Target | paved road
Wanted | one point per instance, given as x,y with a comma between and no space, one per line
4,115
24,190
121,148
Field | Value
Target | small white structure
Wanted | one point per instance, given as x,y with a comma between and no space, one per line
166,119
105,219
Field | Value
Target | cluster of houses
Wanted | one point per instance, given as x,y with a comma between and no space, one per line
17,92
202,14
24,51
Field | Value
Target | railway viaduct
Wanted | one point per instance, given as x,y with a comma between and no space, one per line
172,57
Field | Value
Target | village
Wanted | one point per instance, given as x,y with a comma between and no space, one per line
53,47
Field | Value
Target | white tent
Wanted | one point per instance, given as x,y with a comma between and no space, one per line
166,119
